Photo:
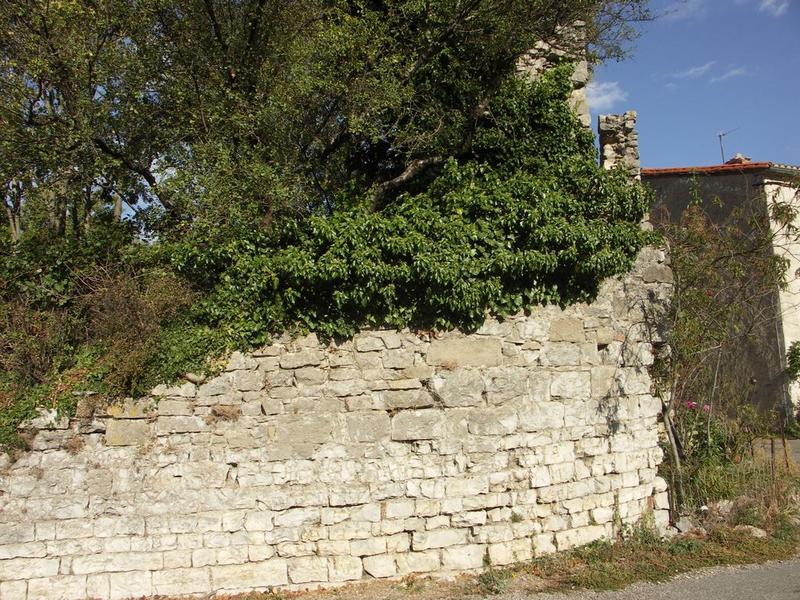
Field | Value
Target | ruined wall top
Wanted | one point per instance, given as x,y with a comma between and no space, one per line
568,44
619,142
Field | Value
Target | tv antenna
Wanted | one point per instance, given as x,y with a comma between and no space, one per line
721,135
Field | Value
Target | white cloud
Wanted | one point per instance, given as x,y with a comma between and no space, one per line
774,7
730,74
604,95
692,72
683,10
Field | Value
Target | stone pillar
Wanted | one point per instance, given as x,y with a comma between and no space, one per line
619,142
569,44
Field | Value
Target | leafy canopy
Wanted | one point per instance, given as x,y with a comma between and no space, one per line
182,177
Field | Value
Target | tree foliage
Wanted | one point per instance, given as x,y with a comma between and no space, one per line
183,177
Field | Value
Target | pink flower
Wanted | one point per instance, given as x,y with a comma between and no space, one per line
691,405
707,408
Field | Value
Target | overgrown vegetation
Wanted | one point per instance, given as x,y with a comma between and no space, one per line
722,337
646,557
184,178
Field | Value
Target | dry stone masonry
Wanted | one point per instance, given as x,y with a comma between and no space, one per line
568,44
619,142
310,463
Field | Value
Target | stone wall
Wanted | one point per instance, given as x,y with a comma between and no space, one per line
619,142
568,44
308,464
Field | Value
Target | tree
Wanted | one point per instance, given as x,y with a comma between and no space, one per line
237,111
185,177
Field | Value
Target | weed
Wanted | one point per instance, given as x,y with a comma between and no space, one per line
684,546
223,412
493,581
74,444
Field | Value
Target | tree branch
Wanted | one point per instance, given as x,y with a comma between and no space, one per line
411,171
140,170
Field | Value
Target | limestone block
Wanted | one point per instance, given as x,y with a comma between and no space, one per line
123,561
368,547
168,425
465,352
63,587
399,509
354,387
344,568
98,586
418,562
562,354
310,376
467,486
398,359
426,424
24,550
634,381
437,522
123,586
74,529
571,385
242,578
579,537
131,409
493,421
185,390
366,342
507,553
460,387
127,432
561,472
13,590
493,533
604,382
175,408
463,557
567,330
658,274
504,384
303,429
308,569
368,426
304,358
219,386
400,399
543,544
15,533
539,416
469,518
404,384
179,582
248,381
296,517
438,538
380,566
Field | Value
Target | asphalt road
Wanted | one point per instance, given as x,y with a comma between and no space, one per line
773,581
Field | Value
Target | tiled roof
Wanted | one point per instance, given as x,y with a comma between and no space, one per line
735,168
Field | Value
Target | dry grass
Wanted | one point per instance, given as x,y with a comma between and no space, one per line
223,412
642,556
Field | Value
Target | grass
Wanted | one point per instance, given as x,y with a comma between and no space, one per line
606,566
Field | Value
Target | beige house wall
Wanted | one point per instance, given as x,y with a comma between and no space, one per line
787,245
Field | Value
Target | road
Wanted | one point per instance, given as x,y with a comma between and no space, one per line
773,581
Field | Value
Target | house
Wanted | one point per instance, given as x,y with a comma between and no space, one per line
736,192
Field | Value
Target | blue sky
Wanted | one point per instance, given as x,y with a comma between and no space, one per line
707,66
